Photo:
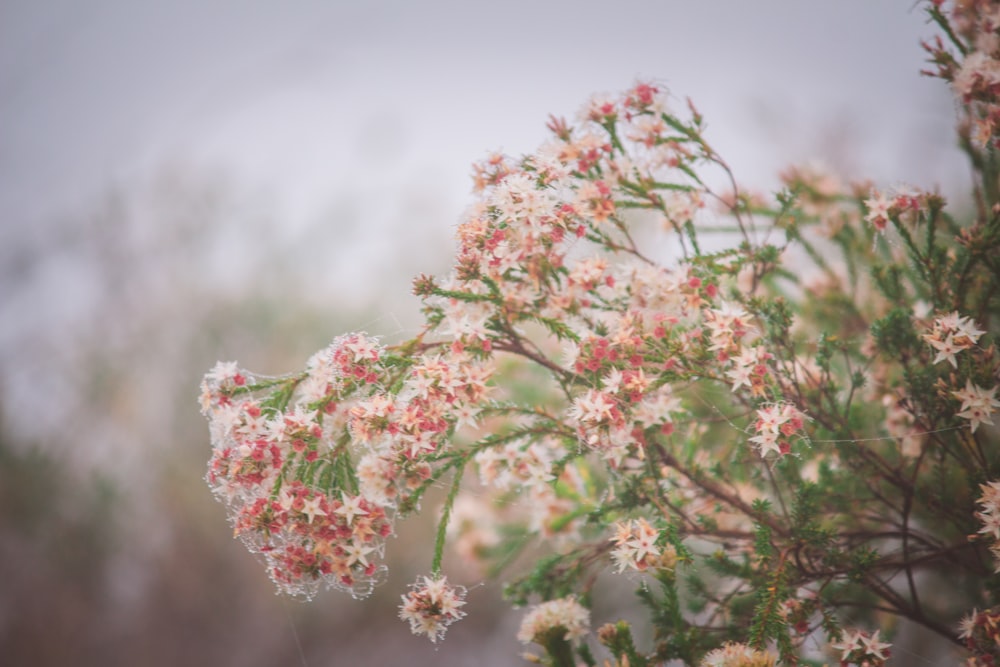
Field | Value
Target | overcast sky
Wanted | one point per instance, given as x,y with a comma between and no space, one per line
356,123
349,127
309,98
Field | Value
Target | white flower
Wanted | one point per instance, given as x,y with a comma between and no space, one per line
311,508
565,613
351,508
977,404
594,406
431,606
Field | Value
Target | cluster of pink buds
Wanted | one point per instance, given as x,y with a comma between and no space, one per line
274,464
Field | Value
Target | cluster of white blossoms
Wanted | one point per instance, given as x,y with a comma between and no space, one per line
271,467
989,516
431,606
980,631
738,655
863,649
900,202
776,423
312,467
565,616
636,547
950,334
978,404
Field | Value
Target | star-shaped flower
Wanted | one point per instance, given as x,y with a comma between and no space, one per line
874,648
311,508
356,552
977,404
350,508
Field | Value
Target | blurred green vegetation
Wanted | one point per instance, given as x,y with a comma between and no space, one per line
112,549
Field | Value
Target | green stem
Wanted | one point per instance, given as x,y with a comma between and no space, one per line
449,503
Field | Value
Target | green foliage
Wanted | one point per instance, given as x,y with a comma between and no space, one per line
552,577
894,335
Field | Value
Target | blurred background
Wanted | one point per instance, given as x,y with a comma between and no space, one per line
185,182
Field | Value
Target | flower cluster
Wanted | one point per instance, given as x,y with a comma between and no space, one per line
974,71
520,464
902,204
313,466
431,606
273,464
863,649
636,547
989,516
565,618
980,631
439,392
950,334
738,655
749,368
775,424
977,404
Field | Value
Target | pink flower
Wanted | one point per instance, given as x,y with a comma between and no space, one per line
878,211
431,606
773,422
600,109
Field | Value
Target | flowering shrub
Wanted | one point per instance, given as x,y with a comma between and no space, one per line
769,413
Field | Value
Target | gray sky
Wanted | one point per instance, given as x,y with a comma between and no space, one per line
354,126
309,98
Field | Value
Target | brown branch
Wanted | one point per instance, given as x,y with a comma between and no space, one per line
716,490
